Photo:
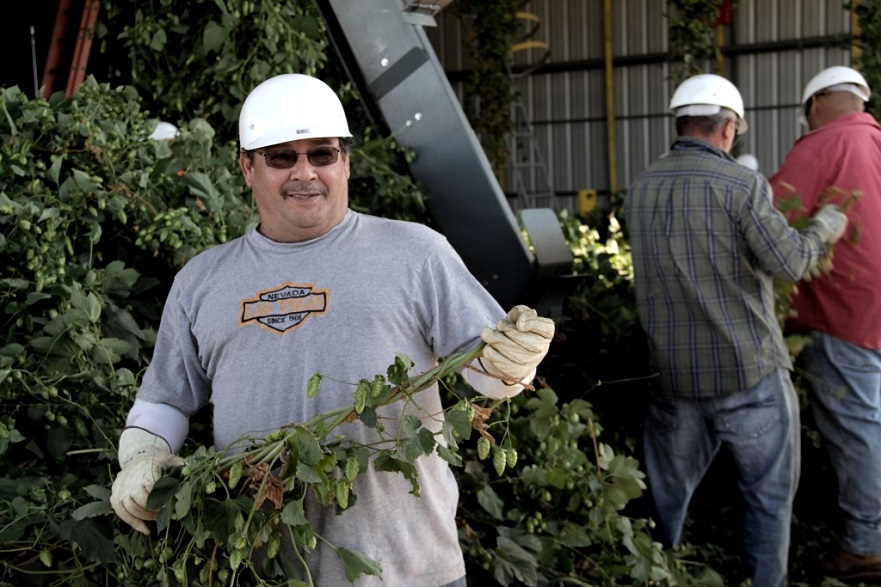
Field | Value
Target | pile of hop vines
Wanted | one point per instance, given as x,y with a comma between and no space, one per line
222,511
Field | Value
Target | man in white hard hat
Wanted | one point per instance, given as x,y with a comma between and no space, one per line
841,309
706,243
319,288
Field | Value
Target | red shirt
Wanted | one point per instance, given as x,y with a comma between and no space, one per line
844,153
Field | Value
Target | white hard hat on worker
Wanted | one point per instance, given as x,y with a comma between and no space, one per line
294,156
838,78
705,95
290,107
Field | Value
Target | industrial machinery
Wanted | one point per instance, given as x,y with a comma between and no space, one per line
404,88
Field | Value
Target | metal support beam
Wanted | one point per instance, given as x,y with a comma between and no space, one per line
401,81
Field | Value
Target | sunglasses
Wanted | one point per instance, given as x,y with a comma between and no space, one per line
287,158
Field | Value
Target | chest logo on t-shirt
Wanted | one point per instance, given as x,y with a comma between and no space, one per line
284,308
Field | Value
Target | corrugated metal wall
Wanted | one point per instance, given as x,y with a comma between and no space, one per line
772,48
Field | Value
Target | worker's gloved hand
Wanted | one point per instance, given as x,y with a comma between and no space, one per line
144,457
518,344
830,223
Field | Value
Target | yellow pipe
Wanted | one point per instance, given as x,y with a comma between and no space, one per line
856,53
610,97
720,42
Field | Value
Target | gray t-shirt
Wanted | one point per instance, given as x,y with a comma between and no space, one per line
246,324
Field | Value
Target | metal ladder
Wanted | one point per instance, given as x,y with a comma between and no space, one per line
531,180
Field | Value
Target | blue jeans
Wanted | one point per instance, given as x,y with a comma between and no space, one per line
846,383
760,427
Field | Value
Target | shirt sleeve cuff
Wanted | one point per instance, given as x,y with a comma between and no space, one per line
160,419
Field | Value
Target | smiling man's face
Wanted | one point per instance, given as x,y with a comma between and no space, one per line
304,201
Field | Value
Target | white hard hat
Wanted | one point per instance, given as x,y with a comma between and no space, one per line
837,78
164,131
291,107
705,95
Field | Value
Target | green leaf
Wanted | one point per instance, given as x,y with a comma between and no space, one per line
574,536
513,561
422,443
308,448
13,532
162,492
615,497
54,171
557,477
390,463
20,506
90,510
213,37
357,564
34,297
58,441
410,424
122,322
308,474
11,350
109,351
369,417
457,423
48,213
397,373
293,514
15,283
98,491
183,500
158,41
219,517
449,456
83,181
490,501
95,545
119,279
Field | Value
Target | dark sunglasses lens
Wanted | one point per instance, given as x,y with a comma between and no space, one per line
322,156
280,159
318,157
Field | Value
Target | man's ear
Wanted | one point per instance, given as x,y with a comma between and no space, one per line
729,130
246,164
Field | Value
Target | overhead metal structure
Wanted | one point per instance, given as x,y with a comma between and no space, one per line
401,82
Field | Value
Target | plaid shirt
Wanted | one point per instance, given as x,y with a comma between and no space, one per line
707,242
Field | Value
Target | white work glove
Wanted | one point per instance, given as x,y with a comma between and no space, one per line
144,457
829,223
518,344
